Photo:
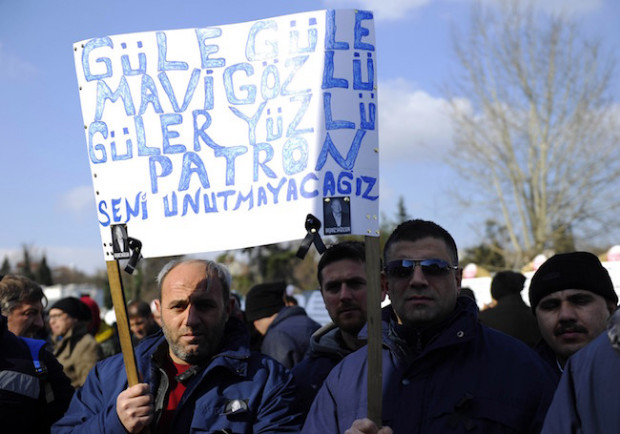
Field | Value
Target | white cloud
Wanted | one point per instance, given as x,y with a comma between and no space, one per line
412,123
87,260
383,9
392,10
568,7
78,199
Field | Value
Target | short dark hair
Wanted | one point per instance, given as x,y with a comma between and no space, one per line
417,229
16,289
139,309
353,250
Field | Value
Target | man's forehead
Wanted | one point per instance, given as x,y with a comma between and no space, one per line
567,293
25,305
344,266
425,246
183,282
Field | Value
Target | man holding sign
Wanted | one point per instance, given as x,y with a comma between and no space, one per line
443,371
198,372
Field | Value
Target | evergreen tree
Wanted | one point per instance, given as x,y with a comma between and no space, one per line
44,274
6,266
25,268
402,215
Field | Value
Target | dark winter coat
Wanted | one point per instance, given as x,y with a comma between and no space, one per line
29,401
288,337
235,374
513,317
461,377
327,349
548,356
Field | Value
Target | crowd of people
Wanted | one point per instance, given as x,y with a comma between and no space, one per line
207,365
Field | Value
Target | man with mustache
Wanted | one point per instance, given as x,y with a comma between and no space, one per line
342,280
198,372
572,296
587,399
443,371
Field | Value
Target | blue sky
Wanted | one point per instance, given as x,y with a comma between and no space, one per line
48,201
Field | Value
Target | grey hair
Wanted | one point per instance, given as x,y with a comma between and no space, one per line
212,268
16,289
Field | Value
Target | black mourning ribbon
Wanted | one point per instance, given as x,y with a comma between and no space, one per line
313,225
136,247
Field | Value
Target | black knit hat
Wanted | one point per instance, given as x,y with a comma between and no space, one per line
506,283
264,300
576,270
73,307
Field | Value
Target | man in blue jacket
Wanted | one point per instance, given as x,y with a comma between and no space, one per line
198,372
587,398
342,278
443,371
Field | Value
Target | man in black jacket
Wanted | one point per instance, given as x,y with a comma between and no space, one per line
34,391
286,329
511,315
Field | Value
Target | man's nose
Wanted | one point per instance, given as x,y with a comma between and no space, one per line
345,291
417,276
193,319
567,312
38,321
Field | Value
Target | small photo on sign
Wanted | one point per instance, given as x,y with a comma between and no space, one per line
120,244
337,215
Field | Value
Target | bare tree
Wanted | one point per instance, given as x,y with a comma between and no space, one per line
534,119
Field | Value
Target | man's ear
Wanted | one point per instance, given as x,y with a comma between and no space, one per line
157,304
458,275
384,286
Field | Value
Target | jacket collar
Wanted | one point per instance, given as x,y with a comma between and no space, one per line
233,354
327,341
458,327
286,312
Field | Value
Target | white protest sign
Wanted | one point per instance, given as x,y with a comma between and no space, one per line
226,137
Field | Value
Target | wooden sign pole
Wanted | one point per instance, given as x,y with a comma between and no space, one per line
375,370
122,321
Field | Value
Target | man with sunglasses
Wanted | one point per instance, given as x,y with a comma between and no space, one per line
443,371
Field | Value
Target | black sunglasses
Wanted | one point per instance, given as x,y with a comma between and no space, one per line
403,268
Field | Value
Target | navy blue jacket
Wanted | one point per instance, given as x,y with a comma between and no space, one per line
587,398
288,336
327,349
460,377
548,355
29,401
234,375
